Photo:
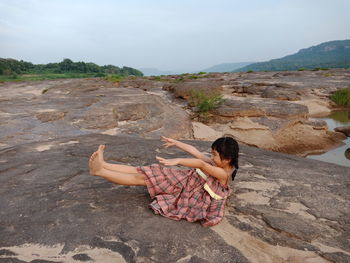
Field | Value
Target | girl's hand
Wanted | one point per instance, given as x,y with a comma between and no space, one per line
169,162
168,142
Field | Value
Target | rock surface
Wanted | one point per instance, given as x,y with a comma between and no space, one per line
283,208
344,129
35,111
283,102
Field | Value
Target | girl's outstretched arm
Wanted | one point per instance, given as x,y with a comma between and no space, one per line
187,148
207,168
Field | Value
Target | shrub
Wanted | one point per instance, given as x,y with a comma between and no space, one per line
193,77
206,101
301,69
114,78
341,97
99,75
250,71
14,75
179,80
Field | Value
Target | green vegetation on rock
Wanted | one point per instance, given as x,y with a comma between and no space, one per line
341,97
114,78
206,101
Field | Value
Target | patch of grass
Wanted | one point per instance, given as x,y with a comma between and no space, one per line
100,75
193,77
14,76
328,75
301,69
179,80
250,71
114,78
163,78
341,97
202,73
206,101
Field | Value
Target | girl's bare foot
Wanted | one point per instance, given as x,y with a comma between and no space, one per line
90,163
100,151
94,164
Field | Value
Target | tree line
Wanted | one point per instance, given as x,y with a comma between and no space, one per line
13,66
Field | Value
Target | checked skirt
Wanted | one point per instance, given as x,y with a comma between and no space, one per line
179,194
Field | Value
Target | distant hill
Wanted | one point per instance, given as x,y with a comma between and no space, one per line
332,54
226,67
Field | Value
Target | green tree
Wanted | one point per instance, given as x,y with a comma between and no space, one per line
66,65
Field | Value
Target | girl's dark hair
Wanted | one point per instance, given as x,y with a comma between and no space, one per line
228,149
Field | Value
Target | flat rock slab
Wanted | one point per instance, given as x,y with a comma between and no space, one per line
283,208
257,107
301,83
36,111
190,87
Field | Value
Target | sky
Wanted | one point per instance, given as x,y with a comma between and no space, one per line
167,34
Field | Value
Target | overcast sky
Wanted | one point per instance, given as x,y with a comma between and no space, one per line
167,34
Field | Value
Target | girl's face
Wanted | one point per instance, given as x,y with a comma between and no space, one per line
216,158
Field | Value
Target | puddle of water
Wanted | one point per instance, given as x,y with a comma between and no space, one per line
340,155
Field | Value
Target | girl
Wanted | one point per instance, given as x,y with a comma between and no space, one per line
193,194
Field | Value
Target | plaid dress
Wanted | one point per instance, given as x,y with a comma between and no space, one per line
181,194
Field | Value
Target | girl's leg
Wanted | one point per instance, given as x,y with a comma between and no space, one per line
96,168
114,167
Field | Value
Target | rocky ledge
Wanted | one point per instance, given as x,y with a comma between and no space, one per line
270,110
35,111
283,208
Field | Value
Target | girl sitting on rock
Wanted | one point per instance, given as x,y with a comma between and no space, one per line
193,194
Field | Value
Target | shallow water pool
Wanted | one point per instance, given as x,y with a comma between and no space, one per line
340,155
